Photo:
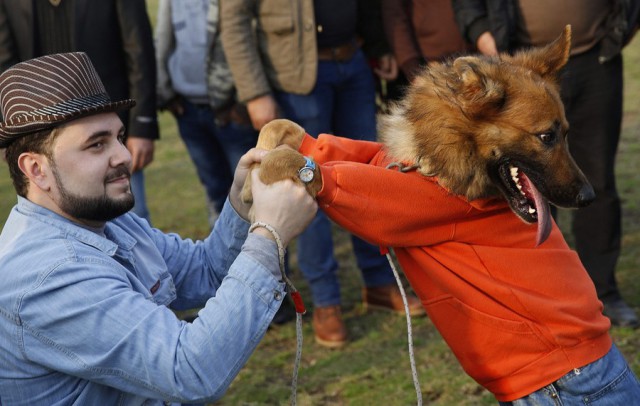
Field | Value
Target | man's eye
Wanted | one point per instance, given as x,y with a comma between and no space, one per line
96,145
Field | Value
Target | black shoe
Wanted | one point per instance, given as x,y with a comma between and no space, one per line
285,313
620,314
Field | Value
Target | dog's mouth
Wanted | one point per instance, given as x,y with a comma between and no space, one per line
525,200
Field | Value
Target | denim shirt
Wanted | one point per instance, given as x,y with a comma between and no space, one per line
84,317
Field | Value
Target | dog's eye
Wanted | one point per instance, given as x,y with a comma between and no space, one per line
548,137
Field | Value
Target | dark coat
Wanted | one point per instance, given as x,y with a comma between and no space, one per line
499,16
117,37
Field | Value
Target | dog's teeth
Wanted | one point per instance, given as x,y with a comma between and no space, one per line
531,210
514,176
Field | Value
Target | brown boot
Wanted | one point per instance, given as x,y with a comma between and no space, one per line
328,326
389,298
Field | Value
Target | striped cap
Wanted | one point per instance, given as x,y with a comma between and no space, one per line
45,92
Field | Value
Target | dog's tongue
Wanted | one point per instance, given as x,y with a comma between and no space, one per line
542,207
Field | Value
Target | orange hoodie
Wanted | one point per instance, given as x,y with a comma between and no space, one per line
517,317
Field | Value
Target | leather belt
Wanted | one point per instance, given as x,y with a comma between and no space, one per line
340,53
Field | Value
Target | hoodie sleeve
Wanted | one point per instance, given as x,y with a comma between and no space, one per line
328,148
382,206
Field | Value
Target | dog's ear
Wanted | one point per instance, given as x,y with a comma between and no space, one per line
546,61
477,93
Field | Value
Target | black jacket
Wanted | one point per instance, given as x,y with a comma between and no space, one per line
499,16
117,37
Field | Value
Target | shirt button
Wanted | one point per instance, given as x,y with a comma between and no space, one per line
277,295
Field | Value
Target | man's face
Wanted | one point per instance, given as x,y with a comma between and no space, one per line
91,167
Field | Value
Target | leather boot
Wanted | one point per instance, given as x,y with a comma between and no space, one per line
388,298
328,326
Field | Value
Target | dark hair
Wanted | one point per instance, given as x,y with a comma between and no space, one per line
40,143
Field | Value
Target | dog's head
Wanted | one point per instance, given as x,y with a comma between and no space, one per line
491,125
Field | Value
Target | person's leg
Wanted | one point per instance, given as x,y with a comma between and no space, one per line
236,139
607,381
355,117
592,93
315,245
137,189
198,132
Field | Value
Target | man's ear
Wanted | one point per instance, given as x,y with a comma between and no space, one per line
37,169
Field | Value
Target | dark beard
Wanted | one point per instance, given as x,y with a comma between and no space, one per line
98,209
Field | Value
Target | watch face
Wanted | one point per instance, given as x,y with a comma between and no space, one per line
306,174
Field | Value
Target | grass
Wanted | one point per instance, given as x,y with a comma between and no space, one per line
374,367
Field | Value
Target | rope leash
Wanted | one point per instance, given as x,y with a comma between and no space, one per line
297,302
300,308
412,360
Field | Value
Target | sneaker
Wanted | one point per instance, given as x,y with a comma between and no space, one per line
328,326
389,298
620,314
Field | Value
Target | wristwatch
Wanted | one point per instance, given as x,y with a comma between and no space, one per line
306,172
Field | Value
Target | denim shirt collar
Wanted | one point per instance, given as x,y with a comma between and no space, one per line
109,244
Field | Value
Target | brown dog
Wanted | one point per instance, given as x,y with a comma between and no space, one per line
482,126
487,137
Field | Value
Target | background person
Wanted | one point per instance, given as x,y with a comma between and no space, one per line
196,86
302,61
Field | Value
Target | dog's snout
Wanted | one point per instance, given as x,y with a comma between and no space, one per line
586,195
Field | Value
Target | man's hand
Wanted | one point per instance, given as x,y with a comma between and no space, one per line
387,67
262,110
141,150
175,106
487,44
284,205
252,156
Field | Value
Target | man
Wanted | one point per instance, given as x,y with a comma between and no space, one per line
117,36
195,85
85,285
592,95
302,60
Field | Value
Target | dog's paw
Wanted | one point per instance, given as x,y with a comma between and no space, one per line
273,134
286,163
280,132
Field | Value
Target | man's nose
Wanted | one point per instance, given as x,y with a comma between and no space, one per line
121,156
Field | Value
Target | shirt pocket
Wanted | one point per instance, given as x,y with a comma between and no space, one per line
276,35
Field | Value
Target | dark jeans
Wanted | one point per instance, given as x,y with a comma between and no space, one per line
341,103
215,150
592,93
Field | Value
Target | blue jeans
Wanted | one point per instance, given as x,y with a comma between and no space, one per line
137,189
215,150
608,382
341,103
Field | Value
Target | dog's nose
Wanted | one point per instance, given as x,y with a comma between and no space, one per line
586,195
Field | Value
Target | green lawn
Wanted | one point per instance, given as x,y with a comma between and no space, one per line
374,368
